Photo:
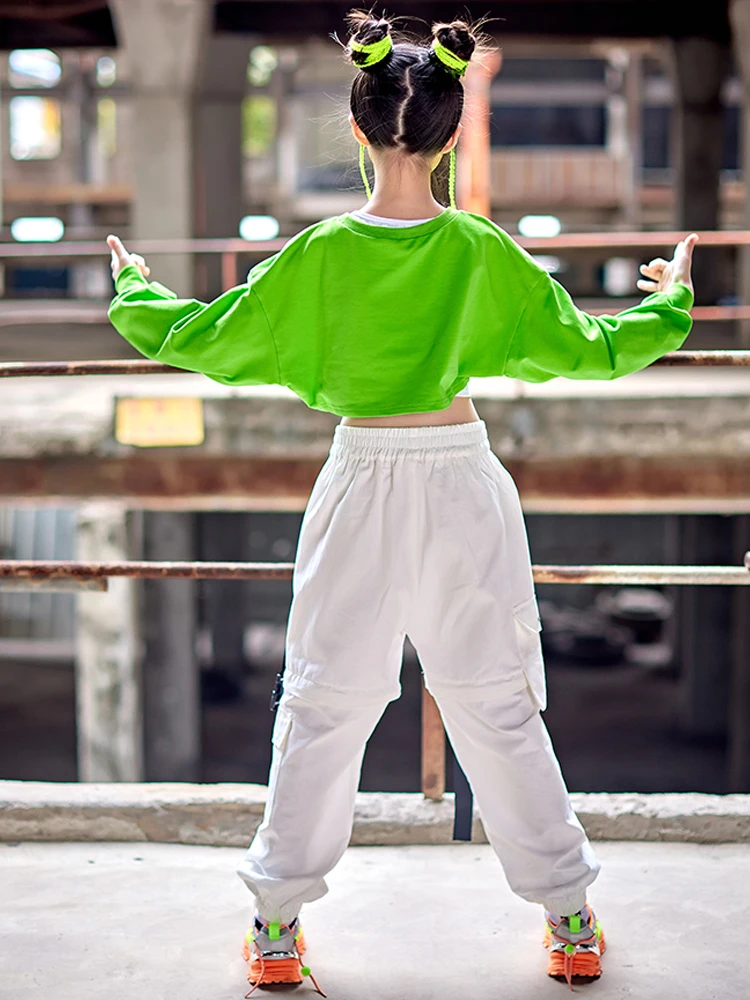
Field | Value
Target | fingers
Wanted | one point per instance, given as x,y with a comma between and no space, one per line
688,245
655,269
660,274
121,258
140,264
683,259
118,250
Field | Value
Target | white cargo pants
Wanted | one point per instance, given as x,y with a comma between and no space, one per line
418,531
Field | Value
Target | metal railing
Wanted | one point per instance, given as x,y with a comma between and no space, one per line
230,251
72,573
28,369
76,575
66,575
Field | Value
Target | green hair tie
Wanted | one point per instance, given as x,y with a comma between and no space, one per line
376,51
450,59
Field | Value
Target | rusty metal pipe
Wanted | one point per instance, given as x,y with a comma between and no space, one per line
631,575
73,569
29,369
98,248
704,359
565,241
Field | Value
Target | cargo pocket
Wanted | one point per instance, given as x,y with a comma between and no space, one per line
281,726
528,626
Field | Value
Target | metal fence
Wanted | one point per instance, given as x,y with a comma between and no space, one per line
231,250
42,575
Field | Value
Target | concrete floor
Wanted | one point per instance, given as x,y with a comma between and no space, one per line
127,921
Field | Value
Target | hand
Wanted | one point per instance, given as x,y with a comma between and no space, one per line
121,258
662,274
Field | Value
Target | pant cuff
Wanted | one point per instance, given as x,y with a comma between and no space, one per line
284,915
565,905
267,901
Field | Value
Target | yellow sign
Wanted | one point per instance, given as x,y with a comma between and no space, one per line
159,423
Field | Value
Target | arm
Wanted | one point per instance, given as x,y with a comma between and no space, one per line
554,337
228,339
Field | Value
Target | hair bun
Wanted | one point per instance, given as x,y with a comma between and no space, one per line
457,37
366,30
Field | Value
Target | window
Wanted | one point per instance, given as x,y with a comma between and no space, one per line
34,128
657,137
658,122
540,70
33,68
534,125
732,122
106,127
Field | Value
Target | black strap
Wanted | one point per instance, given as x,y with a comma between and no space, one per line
463,810
278,690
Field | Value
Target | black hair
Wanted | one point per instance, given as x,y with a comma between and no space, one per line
409,100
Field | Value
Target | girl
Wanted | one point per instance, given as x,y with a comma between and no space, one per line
413,525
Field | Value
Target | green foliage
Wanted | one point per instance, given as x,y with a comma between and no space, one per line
258,125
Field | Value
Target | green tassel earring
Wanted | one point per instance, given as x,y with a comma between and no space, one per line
363,171
452,178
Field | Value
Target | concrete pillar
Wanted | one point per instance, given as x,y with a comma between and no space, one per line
163,40
701,68
738,753
108,652
633,91
81,215
739,15
289,121
705,628
171,675
221,85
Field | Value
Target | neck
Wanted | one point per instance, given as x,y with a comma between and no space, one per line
402,189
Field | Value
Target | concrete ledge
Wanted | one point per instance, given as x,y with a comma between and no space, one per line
227,815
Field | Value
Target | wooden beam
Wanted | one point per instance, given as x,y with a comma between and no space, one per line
169,479
67,194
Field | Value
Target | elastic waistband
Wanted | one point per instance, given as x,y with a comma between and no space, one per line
454,438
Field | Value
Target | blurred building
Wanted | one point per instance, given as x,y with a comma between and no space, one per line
586,132
178,119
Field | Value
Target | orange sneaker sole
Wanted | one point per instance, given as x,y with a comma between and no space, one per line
274,970
583,964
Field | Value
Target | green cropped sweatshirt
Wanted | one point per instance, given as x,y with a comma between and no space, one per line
368,321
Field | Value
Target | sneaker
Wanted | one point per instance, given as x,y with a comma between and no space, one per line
274,953
575,944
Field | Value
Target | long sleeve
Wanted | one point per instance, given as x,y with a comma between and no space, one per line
553,337
229,339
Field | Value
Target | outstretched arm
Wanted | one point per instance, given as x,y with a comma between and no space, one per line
228,339
554,337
